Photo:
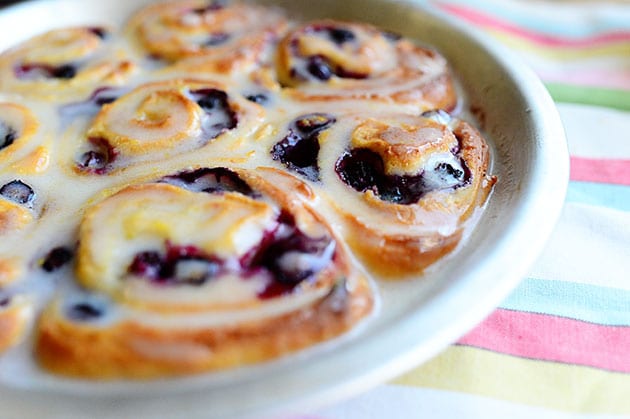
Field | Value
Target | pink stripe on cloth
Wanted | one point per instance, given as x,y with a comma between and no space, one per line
481,19
612,78
551,338
600,170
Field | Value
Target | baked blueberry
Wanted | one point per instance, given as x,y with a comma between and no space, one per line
319,67
259,98
37,71
18,192
220,116
299,149
215,39
341,35
363,169
56,258
7,135
210,180
98,159
85,311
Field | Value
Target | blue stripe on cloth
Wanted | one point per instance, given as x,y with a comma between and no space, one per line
599,194
585,302
550,19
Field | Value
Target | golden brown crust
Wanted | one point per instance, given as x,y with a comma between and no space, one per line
125,349
15,314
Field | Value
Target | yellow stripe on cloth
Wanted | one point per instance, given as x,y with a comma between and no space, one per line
620,49
539,383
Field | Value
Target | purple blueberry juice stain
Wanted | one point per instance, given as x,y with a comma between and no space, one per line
220,117
285,255
7,135
363,170
56,258
18,192
299,149
288,255
178,265
29,72
210,180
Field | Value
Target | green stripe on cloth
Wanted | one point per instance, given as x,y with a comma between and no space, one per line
610,98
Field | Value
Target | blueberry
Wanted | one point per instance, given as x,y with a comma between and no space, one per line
217,38
93,160
319,67
363,170
4,301
290,256
195,270
56,258
104,95
100,32
314,122
211,7
147,264
298,154
97,159
299,149
85,311
392,36
259,98
340,35
221,117
19,192
66,71
7,135
211,99
448,170
210,180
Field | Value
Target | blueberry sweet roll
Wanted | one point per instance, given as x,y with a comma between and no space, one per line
209,268
160,120
21,147
63,63
404,186
330,59
208,36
